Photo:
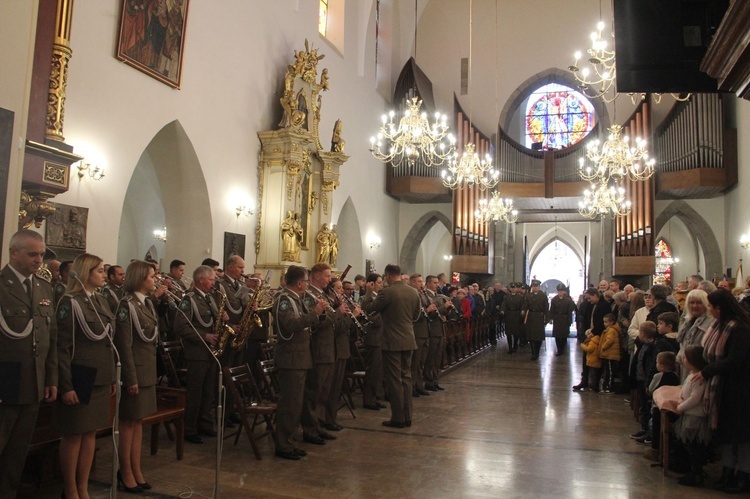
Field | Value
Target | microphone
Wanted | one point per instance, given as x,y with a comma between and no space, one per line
118,395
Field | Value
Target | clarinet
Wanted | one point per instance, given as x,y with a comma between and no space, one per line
366,320
356,322
421,307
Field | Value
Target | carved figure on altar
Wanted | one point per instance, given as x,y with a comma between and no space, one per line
324,244
291,234
337,143
324,79
334,246
287,100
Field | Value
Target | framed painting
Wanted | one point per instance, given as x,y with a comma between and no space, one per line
234,244
152,37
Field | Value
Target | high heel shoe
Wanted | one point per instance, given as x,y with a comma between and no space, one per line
144,485
133,490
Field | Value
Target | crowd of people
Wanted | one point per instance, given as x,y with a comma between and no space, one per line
62,336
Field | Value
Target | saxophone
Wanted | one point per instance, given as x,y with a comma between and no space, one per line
263,298
222,330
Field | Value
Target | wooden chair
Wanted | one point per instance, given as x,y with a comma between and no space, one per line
171,352
170,408
354,378
249,403
269,383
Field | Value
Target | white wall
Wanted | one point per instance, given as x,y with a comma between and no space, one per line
735,202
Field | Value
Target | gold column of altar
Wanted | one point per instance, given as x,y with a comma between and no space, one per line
297,177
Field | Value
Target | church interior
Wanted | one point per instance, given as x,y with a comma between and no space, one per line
258,143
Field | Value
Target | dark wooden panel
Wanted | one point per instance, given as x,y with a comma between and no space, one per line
634,265
470,264
728,56
698,183
418,189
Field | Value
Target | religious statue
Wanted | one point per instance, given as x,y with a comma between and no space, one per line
291,233
324,79
288,100
324,244
337,143
334,246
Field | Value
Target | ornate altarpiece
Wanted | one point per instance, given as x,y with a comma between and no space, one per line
297,176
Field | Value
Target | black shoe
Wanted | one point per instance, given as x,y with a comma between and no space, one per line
372,407
300,452
235,418
325,435
579,387
691,480
431,388
727,474
310,439
145,485
291,455
121,485
407,423
440,388
193,438
638,434
739,485
422,392
332,427
394,424
415,394
207,432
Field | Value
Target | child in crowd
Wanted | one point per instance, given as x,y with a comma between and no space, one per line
666,364
645,357
668,324
692,427
591,347
609,350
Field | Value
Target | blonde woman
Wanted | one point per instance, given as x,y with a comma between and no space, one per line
136,336
86,371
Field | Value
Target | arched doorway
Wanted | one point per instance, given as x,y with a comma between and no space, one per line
558,262
167,189
415,237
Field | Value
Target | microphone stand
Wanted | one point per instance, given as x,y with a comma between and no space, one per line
118,394
219,404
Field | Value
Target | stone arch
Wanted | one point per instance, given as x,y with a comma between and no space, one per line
416,235
548,237
167,189
533,256
552,75
350,240
699,228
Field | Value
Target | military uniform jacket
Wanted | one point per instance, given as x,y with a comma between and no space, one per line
323,332
341,335
200,311
37,350
373,336
537,306
113,294
399,308
561,312
59,288
234,305
422,325
74,343
511,310
293,322
436,326
136,336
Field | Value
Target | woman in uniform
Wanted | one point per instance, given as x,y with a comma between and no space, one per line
136,336
86,371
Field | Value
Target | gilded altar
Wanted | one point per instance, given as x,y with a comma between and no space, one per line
296,176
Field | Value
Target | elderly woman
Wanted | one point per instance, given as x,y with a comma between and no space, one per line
640,304
727,349
697,321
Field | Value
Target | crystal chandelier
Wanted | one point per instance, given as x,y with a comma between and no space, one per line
597,81
604,200
617,159
496,209
414,140
470,170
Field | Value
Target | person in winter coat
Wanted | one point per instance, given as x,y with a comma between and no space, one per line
609,350
591,347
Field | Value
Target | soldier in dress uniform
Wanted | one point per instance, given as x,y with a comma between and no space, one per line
422,337
561,310
28,353
511,313
373,385
231,285
62,281
113,291
194,325
435,349
535,310
319,381
293,357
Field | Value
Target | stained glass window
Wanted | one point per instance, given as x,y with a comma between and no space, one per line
664,263
557,117
323,17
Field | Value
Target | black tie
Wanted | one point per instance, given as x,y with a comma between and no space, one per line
29,289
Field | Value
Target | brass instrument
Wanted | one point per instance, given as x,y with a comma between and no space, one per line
261,300
159,280
221,329
44,273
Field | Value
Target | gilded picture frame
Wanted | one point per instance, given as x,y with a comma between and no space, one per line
152,38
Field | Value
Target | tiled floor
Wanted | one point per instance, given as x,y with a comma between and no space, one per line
504,427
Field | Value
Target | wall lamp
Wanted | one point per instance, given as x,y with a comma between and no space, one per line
161,235
243,209
745,241
373,242
93,170
447,258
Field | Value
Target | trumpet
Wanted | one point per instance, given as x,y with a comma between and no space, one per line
159,280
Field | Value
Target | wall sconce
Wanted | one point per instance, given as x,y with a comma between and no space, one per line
94,171
373,242
447,258
161,235
242,209
745,241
